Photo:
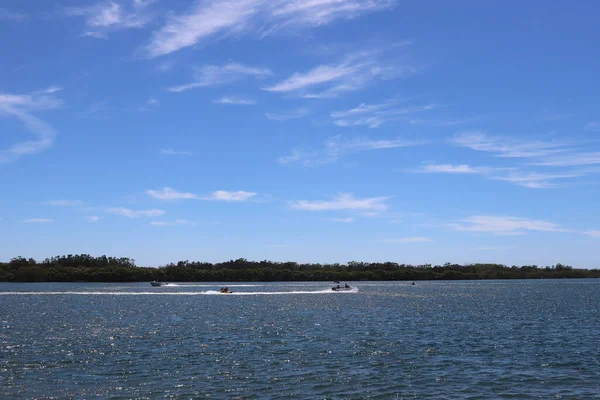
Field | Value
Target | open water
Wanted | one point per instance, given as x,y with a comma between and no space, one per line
441,340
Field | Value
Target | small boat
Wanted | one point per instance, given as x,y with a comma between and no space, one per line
342,288
157,283
225,290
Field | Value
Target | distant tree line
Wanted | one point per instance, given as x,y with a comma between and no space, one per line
85,268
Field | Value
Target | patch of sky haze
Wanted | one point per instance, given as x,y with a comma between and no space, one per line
504,225
107,16
173,152
373,115
287,115
218,75
339,146
11,16
235,101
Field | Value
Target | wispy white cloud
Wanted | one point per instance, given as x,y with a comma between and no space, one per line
107,16
542,153
168,193
363,108
453,169
173,152
338,146
92,218
37,221
373,115
159,223
287,115
239,101
529,179
321,12
65,203
504,225
404,240
21,107
205,19
49,90
129,213
30,102
570,159
343,201
139,4
222,195
445,123
355,72
150,105
217,19
593,233
344,220
316,76
538,180
507,147
217,75
7,15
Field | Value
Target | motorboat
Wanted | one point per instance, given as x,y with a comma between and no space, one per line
342,288
225,290
157,283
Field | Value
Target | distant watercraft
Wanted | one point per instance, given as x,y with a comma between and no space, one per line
157,283
342,288
225,290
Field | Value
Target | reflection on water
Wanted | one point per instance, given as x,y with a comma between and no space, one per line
521,339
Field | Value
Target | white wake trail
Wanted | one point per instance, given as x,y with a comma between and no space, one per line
164,293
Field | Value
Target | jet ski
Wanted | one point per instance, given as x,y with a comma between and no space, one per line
342,288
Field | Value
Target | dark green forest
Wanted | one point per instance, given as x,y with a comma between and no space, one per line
85,268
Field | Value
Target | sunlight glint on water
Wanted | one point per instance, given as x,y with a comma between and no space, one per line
523,339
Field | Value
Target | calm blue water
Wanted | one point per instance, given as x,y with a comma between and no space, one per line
445,340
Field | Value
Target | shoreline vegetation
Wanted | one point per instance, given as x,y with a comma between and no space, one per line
85,268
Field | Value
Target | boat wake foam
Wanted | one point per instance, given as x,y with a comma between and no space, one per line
205,285
163,293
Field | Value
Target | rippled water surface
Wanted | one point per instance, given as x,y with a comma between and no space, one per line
443,340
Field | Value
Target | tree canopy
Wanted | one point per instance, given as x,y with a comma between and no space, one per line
86,268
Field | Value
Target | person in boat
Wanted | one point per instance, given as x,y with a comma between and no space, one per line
347,286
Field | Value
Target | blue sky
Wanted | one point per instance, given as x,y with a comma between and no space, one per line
308,130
